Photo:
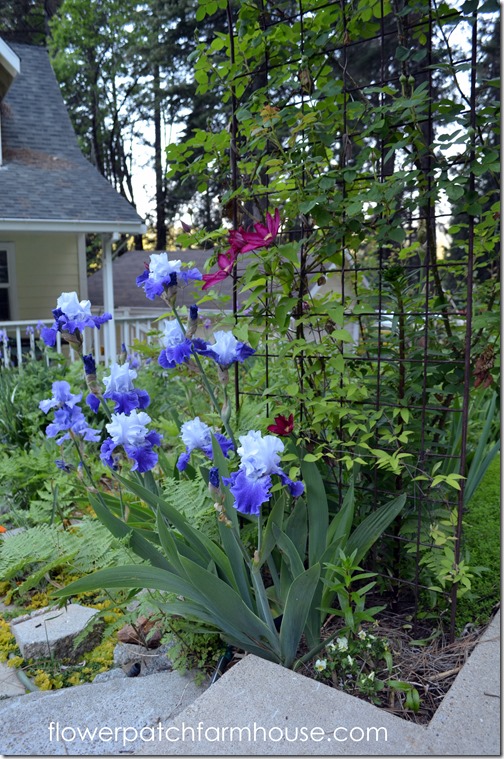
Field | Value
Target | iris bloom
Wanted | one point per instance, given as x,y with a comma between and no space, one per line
177,347
119,388
198,435
71,316
130,431
161,274
68,416
259,460
227,349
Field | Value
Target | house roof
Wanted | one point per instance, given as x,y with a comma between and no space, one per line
126,269
45,181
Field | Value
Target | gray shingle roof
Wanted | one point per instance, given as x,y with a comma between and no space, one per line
44,175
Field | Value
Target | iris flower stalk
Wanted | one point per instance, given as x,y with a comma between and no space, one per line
207,384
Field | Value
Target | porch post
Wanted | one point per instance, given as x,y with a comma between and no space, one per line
109,333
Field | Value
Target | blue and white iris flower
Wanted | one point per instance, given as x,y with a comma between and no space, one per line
198,435
177,347
71,316
119,388
130,431
227,349
259,460
68,416
162,274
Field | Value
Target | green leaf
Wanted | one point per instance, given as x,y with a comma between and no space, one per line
318,511
398,234
275,518
227,606
190,610
340,527
373,526
402,53
297,607
296,526
128,576
140,545
287,547
206,548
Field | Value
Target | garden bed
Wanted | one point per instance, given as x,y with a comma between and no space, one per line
427,662
431,668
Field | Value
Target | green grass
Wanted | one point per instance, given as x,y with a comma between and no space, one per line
481,539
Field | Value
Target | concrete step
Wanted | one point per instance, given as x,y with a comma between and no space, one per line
96,718
256,708
266,704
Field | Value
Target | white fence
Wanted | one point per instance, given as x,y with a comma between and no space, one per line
21,345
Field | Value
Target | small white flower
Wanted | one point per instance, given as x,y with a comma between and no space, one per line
362,635
331,647
371,676
320,665
342,643
349,660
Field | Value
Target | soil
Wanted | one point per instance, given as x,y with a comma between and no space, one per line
422,656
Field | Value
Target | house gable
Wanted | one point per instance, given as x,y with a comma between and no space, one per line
45,181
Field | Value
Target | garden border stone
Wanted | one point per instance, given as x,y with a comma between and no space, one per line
132,703
257,692
467,722
51,632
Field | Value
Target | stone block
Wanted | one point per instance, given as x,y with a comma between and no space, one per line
49,632
151,659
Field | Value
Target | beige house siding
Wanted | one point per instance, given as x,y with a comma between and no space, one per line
46,265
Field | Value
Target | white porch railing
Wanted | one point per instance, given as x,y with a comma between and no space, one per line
21,345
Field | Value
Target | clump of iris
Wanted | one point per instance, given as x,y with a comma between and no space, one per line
259,461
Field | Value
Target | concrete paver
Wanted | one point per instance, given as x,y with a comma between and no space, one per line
69,721
256,708
468,718
262,698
